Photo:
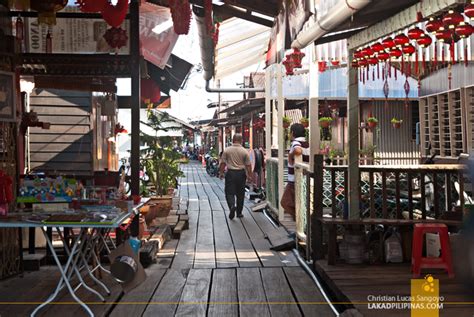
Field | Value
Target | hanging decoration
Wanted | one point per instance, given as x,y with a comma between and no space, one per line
464,30
322,66
91,5
335,62
47,10
297,57
433,25
114,15
288,63
181,15
452,19
150,91
423,42
386,91
208,16
401,40
406,87
116,37
469,11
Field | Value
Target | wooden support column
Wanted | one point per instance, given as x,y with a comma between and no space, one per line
268,114
281,140
135,104
353,140
314,130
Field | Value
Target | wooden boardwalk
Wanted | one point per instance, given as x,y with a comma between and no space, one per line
219,267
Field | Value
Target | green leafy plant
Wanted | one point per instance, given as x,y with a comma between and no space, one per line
372,120
395,121
159,160
368,151
325,119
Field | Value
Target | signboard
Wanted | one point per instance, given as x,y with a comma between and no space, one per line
71,35
156,33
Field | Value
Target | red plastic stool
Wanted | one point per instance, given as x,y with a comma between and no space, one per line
419,262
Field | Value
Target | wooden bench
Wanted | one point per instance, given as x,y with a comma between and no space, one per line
333,222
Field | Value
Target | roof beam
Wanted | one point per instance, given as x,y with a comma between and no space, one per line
224,11
265,7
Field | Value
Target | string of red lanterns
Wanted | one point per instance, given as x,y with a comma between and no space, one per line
447,29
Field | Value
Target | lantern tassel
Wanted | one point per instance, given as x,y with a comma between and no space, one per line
442,55
389,69
373,74
466,61
403,65
435,56
378,71
416,63
367,73
423,58
383,73
395,73
451,52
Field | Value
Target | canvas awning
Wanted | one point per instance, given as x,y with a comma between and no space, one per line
241,44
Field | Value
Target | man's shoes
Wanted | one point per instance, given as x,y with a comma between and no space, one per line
232,213
240,215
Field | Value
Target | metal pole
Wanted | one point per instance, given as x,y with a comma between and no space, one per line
135,105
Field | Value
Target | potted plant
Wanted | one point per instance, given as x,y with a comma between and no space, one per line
305,122
325,122
396,123
160,162
286,122
372,122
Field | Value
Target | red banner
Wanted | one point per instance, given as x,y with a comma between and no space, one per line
156,33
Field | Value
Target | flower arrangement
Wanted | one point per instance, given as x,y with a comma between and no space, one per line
325,122
396,123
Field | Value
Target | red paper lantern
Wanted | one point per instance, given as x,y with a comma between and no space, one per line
358,54
91,5
464,30
322,66
47,9
415,33
363,63
372,61
297,57
115,14
377,47
469,11
443,35
150,91
401,40
335,62
433,25
355,64
367,52
408,49
395,52
388,43
383,56
181,15
116,37
452,19
424,41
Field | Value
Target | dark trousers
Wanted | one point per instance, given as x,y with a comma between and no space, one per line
235,188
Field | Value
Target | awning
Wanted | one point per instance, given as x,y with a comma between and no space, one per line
241,44
245,106
173,76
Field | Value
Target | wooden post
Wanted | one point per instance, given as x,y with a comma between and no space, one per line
314,131
353,140
316,225
135,104
268,114
281,141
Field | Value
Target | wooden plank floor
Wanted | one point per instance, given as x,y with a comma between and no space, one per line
219,267
354,283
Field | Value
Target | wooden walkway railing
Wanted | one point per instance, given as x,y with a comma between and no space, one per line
389,195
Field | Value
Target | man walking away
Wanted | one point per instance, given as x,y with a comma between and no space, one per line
237,160
299,149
